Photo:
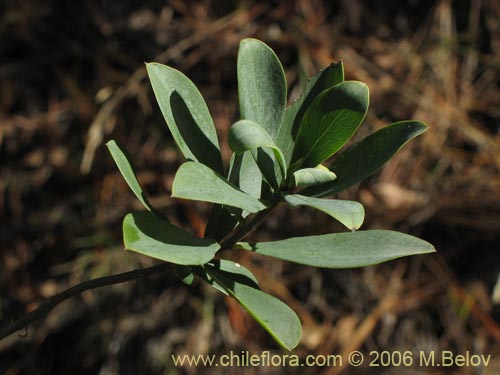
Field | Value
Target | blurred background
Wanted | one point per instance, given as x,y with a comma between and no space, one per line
72,77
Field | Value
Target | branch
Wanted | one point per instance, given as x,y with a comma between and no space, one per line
53,301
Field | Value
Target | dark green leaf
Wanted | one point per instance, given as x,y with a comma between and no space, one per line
146,233
325,79
197,182
220,222
184,273
231,270
186,114
366,157
330,121
126,168
349,213
261,85
343,250
272,314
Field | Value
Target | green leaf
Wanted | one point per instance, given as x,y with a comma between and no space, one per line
198,182
246,135
367,156
312,176
261,85
273,315
245,174
126,168
330,121
271,170
148,234
325,79
186,114
230,269
349,213
184,273
343,250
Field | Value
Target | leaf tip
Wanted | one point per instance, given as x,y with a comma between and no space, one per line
154,66
250,40
423,126
150,64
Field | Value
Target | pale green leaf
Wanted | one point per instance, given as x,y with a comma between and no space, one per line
186,114
261,85
148,234
349,213
329,122
312,176
279,320
197,182
244,174
367,156
126,168
343,250
246,135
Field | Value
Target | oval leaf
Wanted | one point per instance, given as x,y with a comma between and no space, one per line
279,320
148,234
349,213
197,182
261,85
325,79
329,122
186,114
246,135
343,250
367,156
312,176
126,168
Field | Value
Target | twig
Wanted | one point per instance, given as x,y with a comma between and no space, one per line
236,235
246,227
53,301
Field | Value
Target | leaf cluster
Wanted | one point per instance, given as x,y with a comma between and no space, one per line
277,158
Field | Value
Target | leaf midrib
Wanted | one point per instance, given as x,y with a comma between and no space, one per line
322,135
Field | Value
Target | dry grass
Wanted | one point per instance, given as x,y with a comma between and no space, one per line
69,82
